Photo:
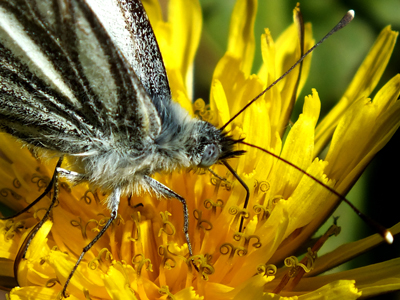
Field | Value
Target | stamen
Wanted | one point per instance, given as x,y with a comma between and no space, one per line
203,111
140,263
87,295
66,187
136,218
168,262
261,186
219,181
51,282
88,200
262,211
267,270
333,230
41,181
103,221
239,214
16,183
210,204
238,236
275,200
168,228
198,105
306,264
6,191
164,290
104,256
228,248
83,229
197,214
203,265
11,228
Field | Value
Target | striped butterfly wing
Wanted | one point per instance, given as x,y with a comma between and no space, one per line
132,33
65,85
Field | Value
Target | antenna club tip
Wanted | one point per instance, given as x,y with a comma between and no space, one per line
351,13
388,236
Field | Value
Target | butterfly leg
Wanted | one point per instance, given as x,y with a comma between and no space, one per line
24,247
167,192
114,199
53,182
71,175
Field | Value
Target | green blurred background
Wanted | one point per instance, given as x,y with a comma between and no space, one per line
333,66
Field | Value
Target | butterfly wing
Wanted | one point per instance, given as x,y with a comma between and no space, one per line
65,85
131,32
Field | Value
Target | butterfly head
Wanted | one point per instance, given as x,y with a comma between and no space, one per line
213,146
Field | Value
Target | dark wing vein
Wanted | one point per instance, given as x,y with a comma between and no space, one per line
136,33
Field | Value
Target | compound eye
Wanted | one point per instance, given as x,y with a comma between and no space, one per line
210,156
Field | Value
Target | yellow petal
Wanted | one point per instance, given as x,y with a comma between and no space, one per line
268,52
117,284
228,73
36,293
241,33
30,269
288,52
309,198
84,277
219,104
343,289
186,23
378,278
372,68
188,294
299,147
380,287
252,289
364,130
154,12
364,82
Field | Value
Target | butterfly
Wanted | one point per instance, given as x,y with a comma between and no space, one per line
96,91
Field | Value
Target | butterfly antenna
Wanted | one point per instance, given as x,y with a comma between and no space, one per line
246,200
349,16
384,232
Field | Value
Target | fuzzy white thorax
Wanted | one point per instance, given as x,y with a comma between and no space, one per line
114,165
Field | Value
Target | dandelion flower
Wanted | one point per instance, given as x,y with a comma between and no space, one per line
144,254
